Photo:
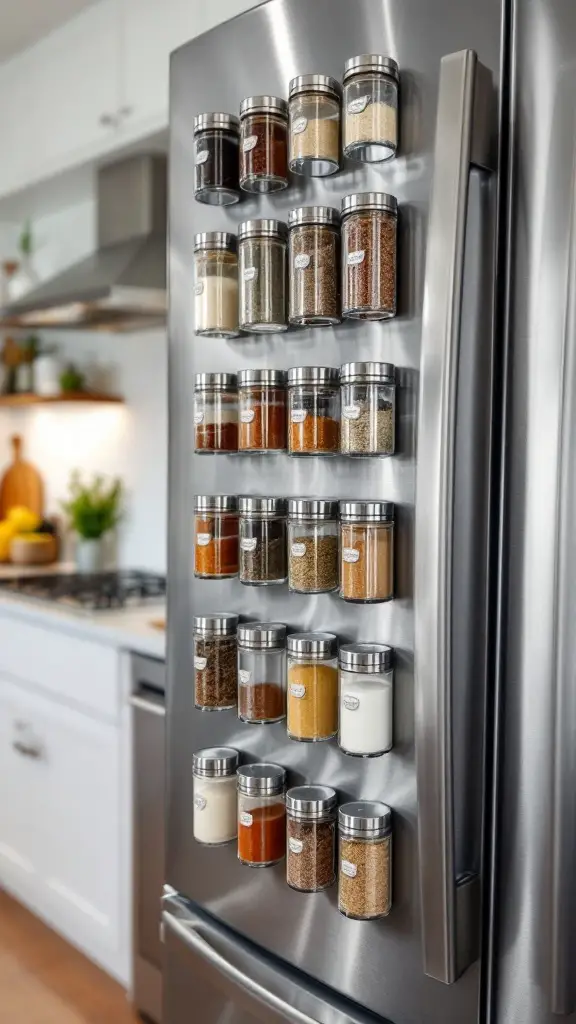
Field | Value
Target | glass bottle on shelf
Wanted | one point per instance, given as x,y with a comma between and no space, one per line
311,837
216,287
216,145
261,815
364,860
312,686
314,264
215,413
215,799
261,672
366,688
263,559
366,551
370,108
368,397
263,144
314,110
216,536
262,276
369,222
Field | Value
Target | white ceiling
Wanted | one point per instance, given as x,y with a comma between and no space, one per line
26,21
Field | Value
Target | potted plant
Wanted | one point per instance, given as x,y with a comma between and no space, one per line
93,509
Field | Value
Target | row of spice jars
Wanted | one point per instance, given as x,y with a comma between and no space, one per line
254,152
272,275
322,692
310,410
249,804
316,545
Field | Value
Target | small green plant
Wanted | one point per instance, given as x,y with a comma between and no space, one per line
71,379
95,508
26,243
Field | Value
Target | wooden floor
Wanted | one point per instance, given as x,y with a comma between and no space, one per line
44,981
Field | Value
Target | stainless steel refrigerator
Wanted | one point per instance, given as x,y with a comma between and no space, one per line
240,945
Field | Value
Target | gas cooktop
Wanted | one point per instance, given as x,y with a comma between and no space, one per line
92,592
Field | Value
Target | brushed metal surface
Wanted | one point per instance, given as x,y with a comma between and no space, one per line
378,964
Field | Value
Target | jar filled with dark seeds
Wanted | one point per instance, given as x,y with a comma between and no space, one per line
215,661
368,397
263,144
312,545
314,262
263,558
216,145
311,835
369,222
262,276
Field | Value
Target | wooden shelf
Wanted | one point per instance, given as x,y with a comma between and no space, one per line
71,396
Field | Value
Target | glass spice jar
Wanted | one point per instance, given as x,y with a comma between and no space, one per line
215,661
314,110
263,144
368,397
313,410
262,411
261,815
369,221
314,262
311,837
313,566
263,559
366,551
365,860
366,699
262,276
216,536
217,142
261,672
216,288
215,413
312,687
370,105
215,799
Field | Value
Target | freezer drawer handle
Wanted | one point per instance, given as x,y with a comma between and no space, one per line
464,128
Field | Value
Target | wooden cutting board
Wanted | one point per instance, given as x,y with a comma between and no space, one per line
21,484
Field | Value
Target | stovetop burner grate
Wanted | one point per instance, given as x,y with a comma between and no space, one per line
93,592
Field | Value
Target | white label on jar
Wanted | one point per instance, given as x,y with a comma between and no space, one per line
247,415
199,802
245,819
350,554
248,543
298,550
350,702
202,157
250,273
203,539
302,260
199,416
358,105
348,869
249,143
199,288
244,675
298,415
354,258
351,412
295,845
200,664
297,689
300,124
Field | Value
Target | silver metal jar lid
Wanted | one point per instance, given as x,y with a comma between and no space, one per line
262,229
261,779
215,761
215,503
227,122
276,378
315,83
371,62
216,623
312,375
310,801
370,658
215,240
262,635
367,511
368,818
264,105
249,505
360,202
313,508
313,645
361,372
215,381
314,215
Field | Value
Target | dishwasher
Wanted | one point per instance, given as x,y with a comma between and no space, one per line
149,748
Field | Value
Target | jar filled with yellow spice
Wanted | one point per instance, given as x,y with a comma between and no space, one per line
312,686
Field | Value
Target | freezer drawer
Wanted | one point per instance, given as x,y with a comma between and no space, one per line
214,976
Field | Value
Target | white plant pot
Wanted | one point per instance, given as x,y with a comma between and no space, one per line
89,555
47,370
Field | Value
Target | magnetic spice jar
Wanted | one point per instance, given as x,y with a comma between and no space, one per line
216,536
261,815
262,411
263,144
311,837
261,672
215,800
313,566
314,263
368,397
314,109
312,687
216,145
370,107
366,699
369,222
365,860
263,559
262,276
366,551
313,410
215,661
215,413
216,287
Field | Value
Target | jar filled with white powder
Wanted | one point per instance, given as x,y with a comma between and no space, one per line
215,796
365,697
370,108
216,284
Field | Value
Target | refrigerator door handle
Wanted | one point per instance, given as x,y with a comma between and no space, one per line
464,130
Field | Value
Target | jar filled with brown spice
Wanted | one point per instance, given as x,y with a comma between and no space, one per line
262,411
369,231
314,105
314,261
313,410
263,144
365,860
215,413
311,837
366,551
261,672
313,529
215,661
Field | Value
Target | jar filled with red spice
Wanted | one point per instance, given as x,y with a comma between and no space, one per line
263,144
313,410
215,535
261,672
262,411
261,814
215,413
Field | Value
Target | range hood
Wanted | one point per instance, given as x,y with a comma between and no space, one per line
122,286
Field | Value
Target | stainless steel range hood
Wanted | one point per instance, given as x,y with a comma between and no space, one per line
122,286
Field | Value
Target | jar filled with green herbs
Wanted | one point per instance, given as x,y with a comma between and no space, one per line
262,276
